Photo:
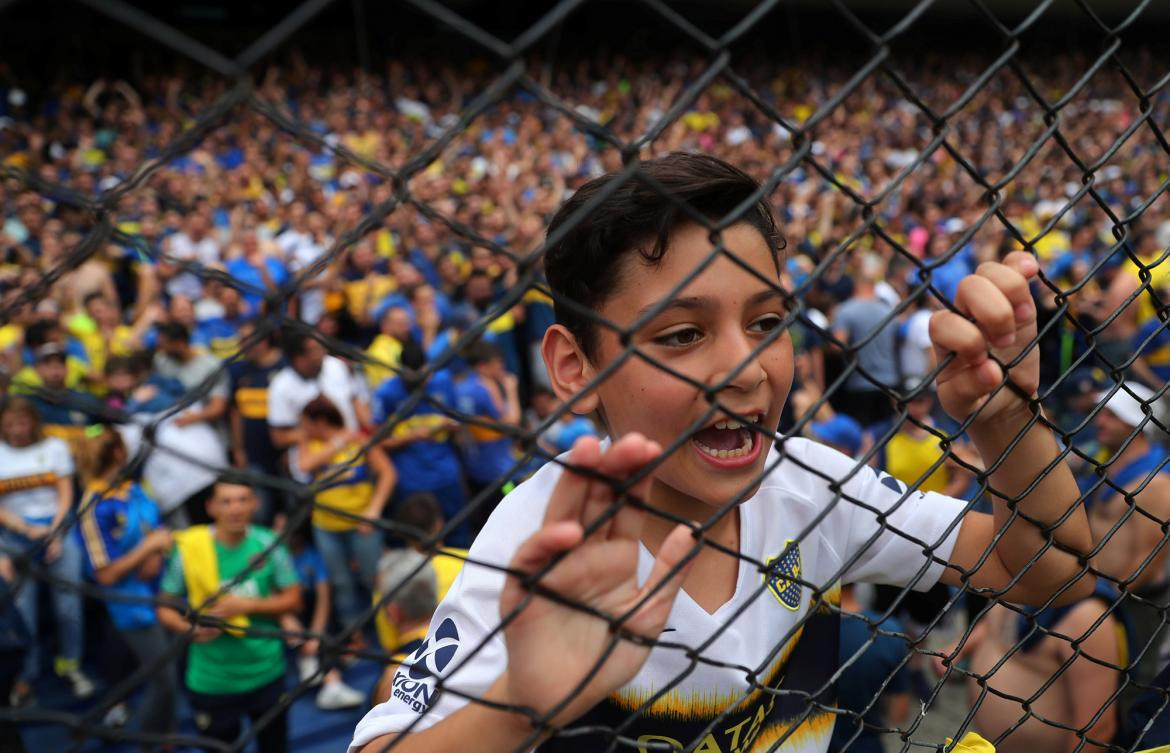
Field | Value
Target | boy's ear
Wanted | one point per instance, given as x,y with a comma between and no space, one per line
569,369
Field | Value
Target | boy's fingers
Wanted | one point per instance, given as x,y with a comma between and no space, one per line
667,572
951,333
627,523
568,497
627,456
1014,287
982,300
542,546
1023,263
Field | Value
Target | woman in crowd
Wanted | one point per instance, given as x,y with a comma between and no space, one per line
354,484
36,499
125,546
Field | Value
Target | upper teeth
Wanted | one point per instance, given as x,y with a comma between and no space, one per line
731,423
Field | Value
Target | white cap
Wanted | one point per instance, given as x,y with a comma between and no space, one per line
1127,403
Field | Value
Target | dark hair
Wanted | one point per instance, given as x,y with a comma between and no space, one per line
480,352
322,408
293,343
24,406
583,265
418,514
40,332
114,364
412,359
174,331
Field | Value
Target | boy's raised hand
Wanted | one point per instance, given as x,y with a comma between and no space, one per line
997,298
552,648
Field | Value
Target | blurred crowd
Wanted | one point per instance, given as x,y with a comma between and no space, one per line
410,382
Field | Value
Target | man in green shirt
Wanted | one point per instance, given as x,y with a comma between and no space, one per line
231,571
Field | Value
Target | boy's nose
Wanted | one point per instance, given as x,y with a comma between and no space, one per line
739,367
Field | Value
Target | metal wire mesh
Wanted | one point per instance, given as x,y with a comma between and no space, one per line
1093,171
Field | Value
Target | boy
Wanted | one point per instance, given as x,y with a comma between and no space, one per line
759,620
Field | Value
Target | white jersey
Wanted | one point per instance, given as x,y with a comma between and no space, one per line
773,629
29,476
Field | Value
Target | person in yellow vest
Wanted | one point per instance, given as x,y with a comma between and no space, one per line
239,581
385,351
353,484
408,585
418,519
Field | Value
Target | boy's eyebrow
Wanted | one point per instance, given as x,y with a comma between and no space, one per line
694,302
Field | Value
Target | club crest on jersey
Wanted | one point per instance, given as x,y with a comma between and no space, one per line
783,575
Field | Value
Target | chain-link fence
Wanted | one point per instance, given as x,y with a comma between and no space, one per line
312,309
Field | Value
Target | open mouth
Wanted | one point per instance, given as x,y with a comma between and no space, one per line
729,440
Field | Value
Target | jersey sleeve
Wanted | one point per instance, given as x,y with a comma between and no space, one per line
883,531
385,401
173,582
221,387
284,572
280,410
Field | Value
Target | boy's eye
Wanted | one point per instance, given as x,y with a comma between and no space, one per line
766,323
680,338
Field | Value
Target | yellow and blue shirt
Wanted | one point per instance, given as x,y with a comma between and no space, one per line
1152,342
427,464
249,394
113,522
489,457
349,488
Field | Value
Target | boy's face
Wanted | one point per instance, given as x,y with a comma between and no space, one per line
706,333
232,506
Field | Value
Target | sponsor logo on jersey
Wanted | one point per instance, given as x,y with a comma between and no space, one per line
783,575
414,684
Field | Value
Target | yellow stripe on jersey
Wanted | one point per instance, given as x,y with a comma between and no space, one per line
536,295
817,727
91,536
505,322
484,433
422,421
31,481
691,705
252,402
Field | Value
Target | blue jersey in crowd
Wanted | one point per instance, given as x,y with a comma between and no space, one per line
114,522
428,464
252,281
488,458
310,569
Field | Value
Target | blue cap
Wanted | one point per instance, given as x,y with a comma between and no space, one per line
840,430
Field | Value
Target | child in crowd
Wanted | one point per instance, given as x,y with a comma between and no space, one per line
674,343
